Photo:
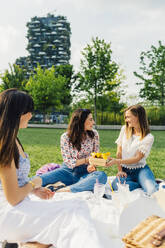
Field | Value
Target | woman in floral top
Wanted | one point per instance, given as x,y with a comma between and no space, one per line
77,144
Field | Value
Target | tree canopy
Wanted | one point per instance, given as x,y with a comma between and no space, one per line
97,71
46,88
152,78
67,72
15,77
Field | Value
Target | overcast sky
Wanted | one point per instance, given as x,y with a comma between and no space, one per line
131,26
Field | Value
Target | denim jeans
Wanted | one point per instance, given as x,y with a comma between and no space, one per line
79,180
138,178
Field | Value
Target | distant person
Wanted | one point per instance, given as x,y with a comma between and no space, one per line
77,144
64,224
133,147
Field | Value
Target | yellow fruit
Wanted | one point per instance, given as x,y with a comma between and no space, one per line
105,156
98,155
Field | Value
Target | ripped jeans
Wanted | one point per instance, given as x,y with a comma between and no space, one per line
79,180
138,178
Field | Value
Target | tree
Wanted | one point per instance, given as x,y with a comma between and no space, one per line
46,89
67,72
110,103
153,77
111,100
13,78
97,71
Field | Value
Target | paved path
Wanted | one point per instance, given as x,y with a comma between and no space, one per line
103,127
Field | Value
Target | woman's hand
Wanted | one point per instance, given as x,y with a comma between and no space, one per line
43,193
91,168
112,161
121,174
37,181
87,160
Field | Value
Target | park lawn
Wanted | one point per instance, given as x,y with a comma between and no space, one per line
43,146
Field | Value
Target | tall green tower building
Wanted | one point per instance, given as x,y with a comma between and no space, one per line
48,42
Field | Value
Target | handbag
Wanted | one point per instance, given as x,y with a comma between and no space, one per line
149,233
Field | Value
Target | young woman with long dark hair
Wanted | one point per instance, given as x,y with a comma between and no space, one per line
64,224
133,147
77,144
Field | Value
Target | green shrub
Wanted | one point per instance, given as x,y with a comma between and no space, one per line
106,118
156,115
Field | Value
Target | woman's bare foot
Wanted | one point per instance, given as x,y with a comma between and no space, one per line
64,189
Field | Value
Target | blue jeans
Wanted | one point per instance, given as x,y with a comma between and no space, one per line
79,180
138,178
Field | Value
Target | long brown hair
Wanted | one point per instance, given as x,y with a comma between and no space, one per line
139,111
76,130
13,104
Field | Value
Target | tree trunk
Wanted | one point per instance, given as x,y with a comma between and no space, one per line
95,102
162,94
95,111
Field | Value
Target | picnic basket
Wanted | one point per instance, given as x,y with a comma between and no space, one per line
149,233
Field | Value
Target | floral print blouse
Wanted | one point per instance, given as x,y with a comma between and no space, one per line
70,154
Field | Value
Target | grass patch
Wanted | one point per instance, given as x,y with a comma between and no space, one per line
43,146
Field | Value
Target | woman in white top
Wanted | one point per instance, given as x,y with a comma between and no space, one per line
133,147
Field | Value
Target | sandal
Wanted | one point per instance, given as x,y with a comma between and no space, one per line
159,180
56,186
54,189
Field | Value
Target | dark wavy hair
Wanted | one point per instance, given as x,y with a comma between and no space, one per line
139,111
13,104
76,130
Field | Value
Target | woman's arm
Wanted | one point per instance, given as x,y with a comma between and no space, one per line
82,161
15,194
96,147
133,160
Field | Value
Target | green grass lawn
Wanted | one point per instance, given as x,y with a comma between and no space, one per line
43,146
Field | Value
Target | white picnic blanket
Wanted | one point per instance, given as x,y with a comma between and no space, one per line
114,218
105,222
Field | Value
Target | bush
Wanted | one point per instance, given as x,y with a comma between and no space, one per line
156,115
106,118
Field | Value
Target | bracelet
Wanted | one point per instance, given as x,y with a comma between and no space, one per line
33,184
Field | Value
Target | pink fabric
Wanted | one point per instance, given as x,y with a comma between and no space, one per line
46,168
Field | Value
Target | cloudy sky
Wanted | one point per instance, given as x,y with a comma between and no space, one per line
131,26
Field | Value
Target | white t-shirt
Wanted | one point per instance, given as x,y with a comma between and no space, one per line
132,145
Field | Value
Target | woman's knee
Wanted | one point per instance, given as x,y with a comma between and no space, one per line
147,180
101,176
60,174
150,187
